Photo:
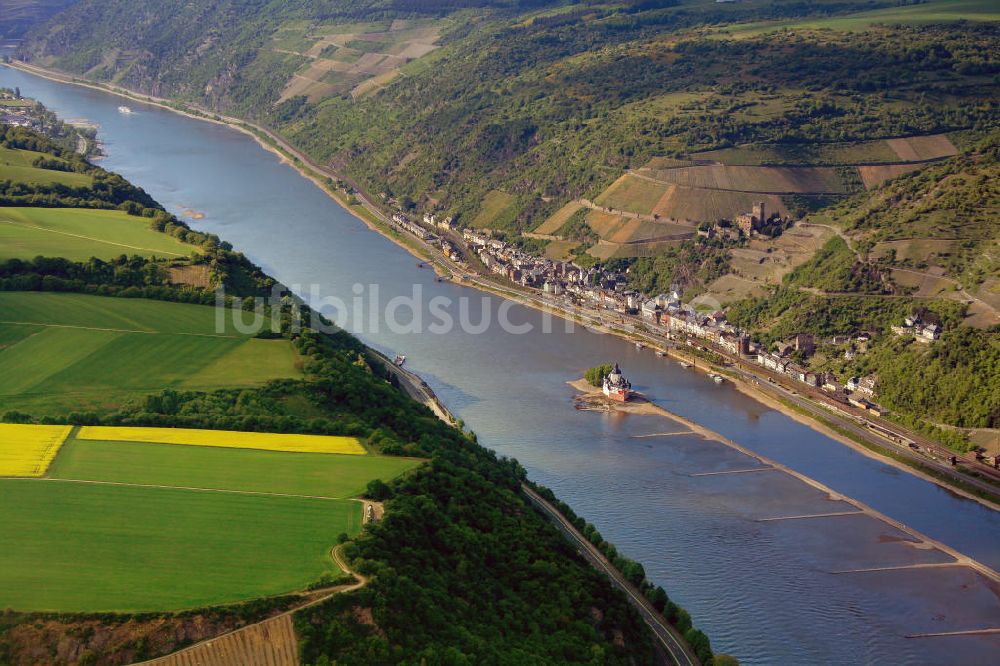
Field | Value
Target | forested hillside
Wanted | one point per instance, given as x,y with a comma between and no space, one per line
19,15
543,106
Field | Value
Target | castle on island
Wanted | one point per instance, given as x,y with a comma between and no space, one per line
616,387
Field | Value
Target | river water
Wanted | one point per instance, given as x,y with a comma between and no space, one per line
764,591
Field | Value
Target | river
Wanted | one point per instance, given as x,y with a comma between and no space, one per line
763,591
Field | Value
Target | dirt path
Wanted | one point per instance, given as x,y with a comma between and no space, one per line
271,642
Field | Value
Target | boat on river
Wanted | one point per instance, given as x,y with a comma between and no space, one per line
399,360
124,110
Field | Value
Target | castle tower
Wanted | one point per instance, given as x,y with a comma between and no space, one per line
759,212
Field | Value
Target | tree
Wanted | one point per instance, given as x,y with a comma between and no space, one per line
378,490
725,660
660,599
595,376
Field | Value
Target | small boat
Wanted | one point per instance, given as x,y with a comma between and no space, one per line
717,379
400,360
660,353
124,109
684,365
639,345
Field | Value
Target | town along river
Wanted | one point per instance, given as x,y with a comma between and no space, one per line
765,591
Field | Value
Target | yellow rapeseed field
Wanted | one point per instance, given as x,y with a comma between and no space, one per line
226,438
27,450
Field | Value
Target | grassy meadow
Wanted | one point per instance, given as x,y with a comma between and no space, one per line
90,547
16,165
315,474
931,11
65,352
131,526
79,234
496,207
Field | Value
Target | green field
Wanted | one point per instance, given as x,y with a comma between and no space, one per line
90,547
754,178
65,352
16,165
495,208
104,313
633,194
79,234
932,11
128,526
847,153
316,474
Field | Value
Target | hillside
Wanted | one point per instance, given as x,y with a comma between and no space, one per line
132,427
20,15
498,97
629,134
923,244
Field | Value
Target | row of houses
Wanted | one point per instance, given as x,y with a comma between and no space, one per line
664,313
551,276
404,223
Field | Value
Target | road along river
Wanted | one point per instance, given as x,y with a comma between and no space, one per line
754,555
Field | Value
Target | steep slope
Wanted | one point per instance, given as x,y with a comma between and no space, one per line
20,15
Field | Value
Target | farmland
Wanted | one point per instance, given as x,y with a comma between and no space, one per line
695,204
351,57
16,165
933,11
873,176
264,441
753,179
629,193
848,153
90,547
554,222
62,352
79,234
728,181
27,450
495,209
130,525
317,474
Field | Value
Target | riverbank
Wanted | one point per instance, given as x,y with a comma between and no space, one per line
643,406
367,212
273,143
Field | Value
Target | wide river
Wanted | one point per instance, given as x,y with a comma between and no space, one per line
764,591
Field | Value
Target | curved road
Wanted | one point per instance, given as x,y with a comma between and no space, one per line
671,639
